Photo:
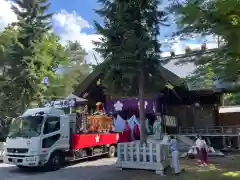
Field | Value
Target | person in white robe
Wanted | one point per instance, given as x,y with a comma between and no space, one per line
198,144
175,155
203,152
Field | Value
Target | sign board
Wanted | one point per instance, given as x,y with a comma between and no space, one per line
61,104
45,80
171,121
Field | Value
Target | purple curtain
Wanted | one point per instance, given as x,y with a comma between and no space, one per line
116,105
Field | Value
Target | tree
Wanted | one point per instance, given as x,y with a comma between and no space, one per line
202,78
53,54
77,69
27,67
7,38
130,48
220,18
70,74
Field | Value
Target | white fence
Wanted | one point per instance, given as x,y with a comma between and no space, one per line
150,156
2,144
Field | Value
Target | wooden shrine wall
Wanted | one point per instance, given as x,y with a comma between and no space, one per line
190,116
229,119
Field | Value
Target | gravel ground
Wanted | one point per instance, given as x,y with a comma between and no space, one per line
101,169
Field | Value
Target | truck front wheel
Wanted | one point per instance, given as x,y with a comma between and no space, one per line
55,161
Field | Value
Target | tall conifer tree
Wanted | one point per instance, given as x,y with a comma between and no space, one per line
27,67
131,48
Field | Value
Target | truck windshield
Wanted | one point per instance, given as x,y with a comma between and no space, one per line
29,126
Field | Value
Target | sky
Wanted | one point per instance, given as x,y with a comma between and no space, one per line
73,20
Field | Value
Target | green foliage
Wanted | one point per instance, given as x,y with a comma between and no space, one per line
51,54
201,78
28,53
129,44
48,54
77,69
231,99
27,65
73,72
33,19
130,48
7,38
214,17
4,127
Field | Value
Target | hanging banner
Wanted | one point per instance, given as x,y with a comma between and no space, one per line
117,105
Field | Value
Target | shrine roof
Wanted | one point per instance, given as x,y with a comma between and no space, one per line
167,75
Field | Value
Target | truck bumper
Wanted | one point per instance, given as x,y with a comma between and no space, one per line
29,161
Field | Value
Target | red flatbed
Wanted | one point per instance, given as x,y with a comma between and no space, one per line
80,141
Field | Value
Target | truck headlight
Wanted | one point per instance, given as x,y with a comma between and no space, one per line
30,159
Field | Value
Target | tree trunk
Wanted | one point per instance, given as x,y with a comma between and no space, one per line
143,137
23,106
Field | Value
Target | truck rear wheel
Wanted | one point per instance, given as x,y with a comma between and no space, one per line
55,161
111,151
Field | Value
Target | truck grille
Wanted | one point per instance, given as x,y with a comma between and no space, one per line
18,150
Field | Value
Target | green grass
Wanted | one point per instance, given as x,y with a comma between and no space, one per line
223,168
227,168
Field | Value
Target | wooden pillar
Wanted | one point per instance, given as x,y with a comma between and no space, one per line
230,141
224,141
238,142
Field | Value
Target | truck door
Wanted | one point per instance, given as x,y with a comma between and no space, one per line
65,131
51,133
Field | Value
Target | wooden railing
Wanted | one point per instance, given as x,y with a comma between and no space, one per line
230,130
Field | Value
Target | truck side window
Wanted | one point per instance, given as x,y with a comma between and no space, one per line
52,124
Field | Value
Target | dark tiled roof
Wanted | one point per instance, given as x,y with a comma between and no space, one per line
169,76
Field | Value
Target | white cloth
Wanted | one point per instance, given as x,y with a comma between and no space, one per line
198,143
119,124
175,162
203,144
131,122
193,150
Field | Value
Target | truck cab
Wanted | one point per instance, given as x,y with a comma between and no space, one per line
38,138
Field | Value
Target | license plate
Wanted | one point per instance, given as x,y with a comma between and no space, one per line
14,160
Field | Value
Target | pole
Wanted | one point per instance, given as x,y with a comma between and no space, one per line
143,137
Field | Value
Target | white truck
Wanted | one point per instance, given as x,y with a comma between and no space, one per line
47,137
